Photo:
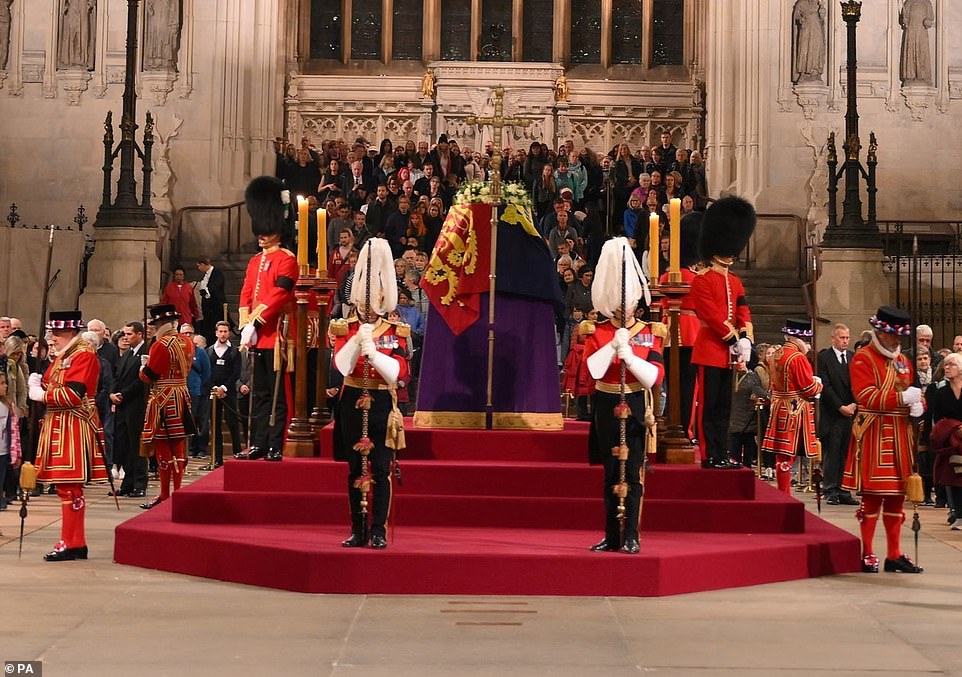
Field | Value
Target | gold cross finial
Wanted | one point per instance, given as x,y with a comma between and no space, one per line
498,122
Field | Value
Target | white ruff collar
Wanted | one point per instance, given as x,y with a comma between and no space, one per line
891,354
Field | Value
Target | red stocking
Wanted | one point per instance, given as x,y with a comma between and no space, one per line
179,462
892,518
783,472
73,509
867,515
162,451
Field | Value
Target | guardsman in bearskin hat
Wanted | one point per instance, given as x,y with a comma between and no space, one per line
370,353
791,425
71,444
266,298
618,288
725,335
168,420
880,451
690,233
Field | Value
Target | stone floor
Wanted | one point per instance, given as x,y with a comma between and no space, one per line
100,618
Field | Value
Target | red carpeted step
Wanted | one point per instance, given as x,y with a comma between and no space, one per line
489,478
463,561
206,502
564,446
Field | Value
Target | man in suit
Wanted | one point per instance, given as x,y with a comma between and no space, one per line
129,397
225,371
837,410
213,299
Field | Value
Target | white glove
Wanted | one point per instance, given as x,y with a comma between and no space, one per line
621,337
35,379
916,409
36,392
248,335
744,350
368,349
625,355
818,379
911,395
365,332
386,366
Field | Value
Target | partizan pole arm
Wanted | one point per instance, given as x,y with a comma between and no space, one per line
46,286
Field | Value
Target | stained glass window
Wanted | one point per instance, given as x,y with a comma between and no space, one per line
538,30
626,31
326,23
366,26
408,29
585,31
494,42
668,33
456,30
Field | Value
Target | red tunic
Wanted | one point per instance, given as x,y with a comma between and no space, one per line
70,448
577,380
718,299
880,451
390,339
168,406
792,419
645,340
268,293
687,318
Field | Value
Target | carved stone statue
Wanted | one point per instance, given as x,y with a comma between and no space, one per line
4,32
78,33
561,88
916,18
808,41
427,85
161,34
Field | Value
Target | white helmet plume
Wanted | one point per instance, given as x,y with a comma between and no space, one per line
606,287
383,277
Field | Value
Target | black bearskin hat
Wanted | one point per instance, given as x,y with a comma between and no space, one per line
690,233
265,204
726,227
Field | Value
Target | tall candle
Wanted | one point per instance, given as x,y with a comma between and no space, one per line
321,243
674,224
654,244
301,231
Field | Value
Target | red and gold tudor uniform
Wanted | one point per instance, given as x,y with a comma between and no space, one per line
645,341
717,297
168,421
70,447
266,297
390,340
791,425
880,457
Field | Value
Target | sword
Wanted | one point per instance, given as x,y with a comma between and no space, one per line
279,373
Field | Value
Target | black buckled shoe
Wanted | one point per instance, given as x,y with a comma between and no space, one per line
847,499
256,453
274,455
902,565
720,464
151,504
631,546
604,545
378,542
870,564
66,554
355,541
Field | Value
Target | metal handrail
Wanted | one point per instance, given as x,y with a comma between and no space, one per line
231,238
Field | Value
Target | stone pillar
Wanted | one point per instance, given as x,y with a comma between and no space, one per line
115,280
850,289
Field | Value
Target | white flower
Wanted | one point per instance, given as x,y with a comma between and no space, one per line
285,197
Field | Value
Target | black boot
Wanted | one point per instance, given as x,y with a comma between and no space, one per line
356,540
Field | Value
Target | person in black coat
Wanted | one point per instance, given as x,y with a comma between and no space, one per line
129,396
213,299
836,414
225,366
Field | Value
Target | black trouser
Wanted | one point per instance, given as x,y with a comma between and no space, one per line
127,455
716,405
834,435
379,460
606,437
265,436
225,410
744,448
200,410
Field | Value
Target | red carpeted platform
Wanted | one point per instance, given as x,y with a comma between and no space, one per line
484,513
